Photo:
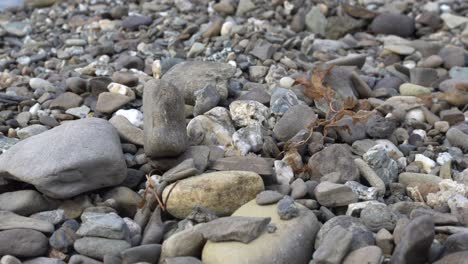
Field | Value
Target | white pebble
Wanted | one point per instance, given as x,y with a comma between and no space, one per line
426,162
118,88
415,114
420,132
443,157
34,109
286,82
226,29
133,115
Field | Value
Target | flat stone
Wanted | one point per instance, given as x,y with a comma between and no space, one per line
108,225
334,247
23,243
409,89
287,208
44,260
108,102
333,195
393,24
296,118
183,170
268,197
263,50
133,22
97,248
11,220
369,255
221,192
144,253
66,101
452,116
127,131
457,138
259,165
234,228
454,258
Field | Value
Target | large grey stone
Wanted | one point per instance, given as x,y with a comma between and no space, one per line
103,225
191,76
23,243
165,134
70,159
9,220
296,118
185,243
292,242
334,247
96,247
145,253
25,202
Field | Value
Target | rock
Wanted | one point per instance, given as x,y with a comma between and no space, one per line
335,158
378,216
23,243
315,21
379,127
132,115
400,49
30,131
415,242
183,170
287,208
134,22
8,259
43,260
453,21
333,195
410,178
191,76
263,50
379,160
205,99
64,237
334,247
409,89
103,225
234,228
219,192
248,139
393,24
261,166
298,189
296,118
11,220
124,200
384,240
371,177
244,6
457,138
425,77
54,216
291,242
127,131
452,116
79,112
80,259
40,3
182,260
25,202
370,254
185,243
41,84
109,102
281,100
362,236
84,168
452,56
248,112
455,258
268,197
213,128
66,101
97,248
164,119
146,253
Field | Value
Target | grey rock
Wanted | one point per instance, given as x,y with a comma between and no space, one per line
66,101
380,127
205,99
44,260
127,131
268,197
287,208
459,73
298,189
31,130
263,50
455,258
384,166
154,230
393,24
76,84
146,253
456,243
296,118
315,21
213,128
17,28
369,255
423,76
457,138
191,76
262,166
333,195
183,170
364,193
124,200
133,22
281,100
54,216
234,228
23,243
86,155
8,259
182,260
415,241
108,102
25,202
80,259
164,119
103,225
248,139
438,217
200,214
9,220
452,56
378,216
96,247
371,177
185,243
334,247
64,237
244,6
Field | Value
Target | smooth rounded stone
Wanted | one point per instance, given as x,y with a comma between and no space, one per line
185,243
66,101
380,127
400,49
205,99
315,21
145,253
134,22
154,229
334,247
191,76
410,178
378,216
334,158
23,118
457,138
437,217
64,237
80,259
96,247
30,131
109,102
41,84
221,192
125,78
48,121
183,170
9,220
333,195
23,243
8,259
290,243
415,242
44,260
268,197
79,112
286,82
127,131
165,134
256,94
393,24
371,177
368,255
86,155
262,166
296,118
103,225
452,56
76,84
298,189
362,236
124,200
409,89
25,202
182,260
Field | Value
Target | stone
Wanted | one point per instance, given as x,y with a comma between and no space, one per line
452,116
205,99
294,237
66,101
268,197
287,208
384,240
370,254
452,56
165,134
44,260
380,127
64,237
460,74
103,225
213,128
263,50
80,259
127,131
244,6
362,236
248,112
371,177
281,100
332,195
453,21
409,89
334,158
334,247
30,131
8,259
41,84
259,165
456,243
378,216
298,189
183,170
25,202
23,243
248,139
457,138
315,21
454,258
134,22
109,102
124,200
134,116
185,243
234,228
410,178
54,216
11,220
426,163
379,160
393,24
400,49
191,76
425,77
145,253
79,112
415,242
296,118
69,166
182,260
221,192
125,78
97,248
